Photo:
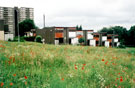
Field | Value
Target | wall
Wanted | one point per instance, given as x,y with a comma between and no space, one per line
9,36
1,35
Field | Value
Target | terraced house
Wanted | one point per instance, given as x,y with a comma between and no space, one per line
69,35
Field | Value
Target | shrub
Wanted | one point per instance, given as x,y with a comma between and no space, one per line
121,46
29,38
81,40
9,39
21,39
38,39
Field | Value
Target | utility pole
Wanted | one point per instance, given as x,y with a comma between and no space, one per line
44,20
17,23
113,39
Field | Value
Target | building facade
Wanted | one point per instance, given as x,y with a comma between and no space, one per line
69,35
13,15
26,13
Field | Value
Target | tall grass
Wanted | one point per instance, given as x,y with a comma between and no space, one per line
34,65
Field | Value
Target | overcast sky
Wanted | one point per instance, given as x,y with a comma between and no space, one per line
91,14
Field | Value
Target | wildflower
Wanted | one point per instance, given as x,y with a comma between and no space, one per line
11,84
10,57
106,62
13,59
93,66
119,86
75,67
84,64
82,68
102,59
9,62
25,77
25,83
117,78
119,73
2,84
121,80
62,79
14,75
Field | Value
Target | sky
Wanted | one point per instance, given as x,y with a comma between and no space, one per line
91,14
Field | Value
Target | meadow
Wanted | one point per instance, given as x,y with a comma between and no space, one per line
34,65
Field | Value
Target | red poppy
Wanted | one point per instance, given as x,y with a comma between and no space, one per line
117,78
14,75
62,79
75,67
121,77
25,77
106,62
82,68
119,73
13,59
93,66
25,83
84,64
103,60
11,84
2,84
10,57
121,80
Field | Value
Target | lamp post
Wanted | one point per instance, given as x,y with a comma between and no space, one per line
17,25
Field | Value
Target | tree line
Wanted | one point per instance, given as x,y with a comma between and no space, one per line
126,37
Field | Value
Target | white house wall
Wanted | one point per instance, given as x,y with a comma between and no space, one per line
93,43
72,34
1,35
74,41
9,36
79,33
104,38
116,40
89,36
107,44
56,42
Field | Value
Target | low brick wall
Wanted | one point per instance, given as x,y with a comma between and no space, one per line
1,35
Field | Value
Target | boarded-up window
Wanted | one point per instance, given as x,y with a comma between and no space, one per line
58,35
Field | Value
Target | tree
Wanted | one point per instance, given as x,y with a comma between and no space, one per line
118,30
131,34
77,28
80,28
26,26
81,40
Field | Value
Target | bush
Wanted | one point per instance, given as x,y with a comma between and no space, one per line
16,39
9,39
121,46
81,40
38,39
29,38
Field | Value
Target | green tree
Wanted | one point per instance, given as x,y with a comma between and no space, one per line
80,28
39,39
81,40
118,30
131,34
77,28
26,26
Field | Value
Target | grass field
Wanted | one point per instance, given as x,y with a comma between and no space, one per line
34,65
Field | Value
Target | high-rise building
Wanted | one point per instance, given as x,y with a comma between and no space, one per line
25,13
12,16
